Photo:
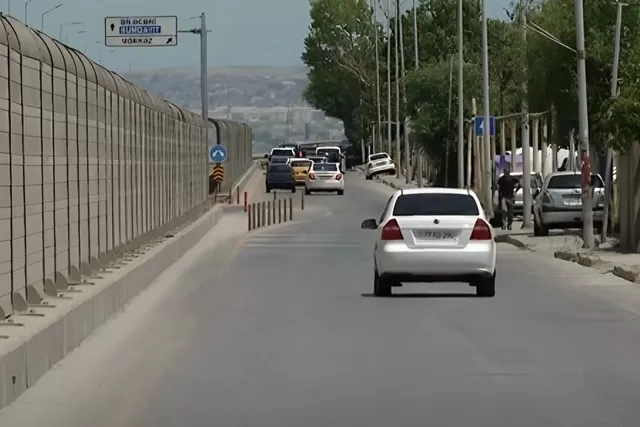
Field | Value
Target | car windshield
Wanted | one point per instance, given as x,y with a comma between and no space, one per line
286,152
325,167
328,151
572,181
279,159
300,163
279,169
436,204
378,157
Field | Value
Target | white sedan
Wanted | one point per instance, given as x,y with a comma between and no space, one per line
379,163
324,177
430,235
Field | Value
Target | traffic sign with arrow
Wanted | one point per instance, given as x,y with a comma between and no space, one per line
217,154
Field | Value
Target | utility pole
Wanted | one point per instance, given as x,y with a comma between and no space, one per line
486,132
583,126
389,119
418,155
407,153
379,107
460,98
614,94
397,61
526,154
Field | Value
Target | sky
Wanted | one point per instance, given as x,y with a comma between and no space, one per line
243,32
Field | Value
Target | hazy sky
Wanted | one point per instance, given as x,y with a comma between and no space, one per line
243,32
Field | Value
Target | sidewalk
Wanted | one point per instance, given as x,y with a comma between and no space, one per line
561,244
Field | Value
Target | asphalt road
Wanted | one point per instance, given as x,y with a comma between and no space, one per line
288,335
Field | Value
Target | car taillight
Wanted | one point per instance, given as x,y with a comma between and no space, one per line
481,231
546,198
391,231
338,177
312,176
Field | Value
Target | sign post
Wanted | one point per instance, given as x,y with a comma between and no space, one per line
218,155
141,31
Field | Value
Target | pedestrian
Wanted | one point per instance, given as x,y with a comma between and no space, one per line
507,187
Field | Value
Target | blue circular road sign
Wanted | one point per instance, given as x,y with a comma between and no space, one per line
217,154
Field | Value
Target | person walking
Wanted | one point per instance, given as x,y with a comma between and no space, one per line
508,185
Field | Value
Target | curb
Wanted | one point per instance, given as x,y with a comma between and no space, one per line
506,238
33,343
627,273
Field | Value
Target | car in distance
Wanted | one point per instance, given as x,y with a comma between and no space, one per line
429,235
317,159
323,177
280,152
300,169
558,204
279,177
379,163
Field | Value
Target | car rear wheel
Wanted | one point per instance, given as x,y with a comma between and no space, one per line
293,190
268,189
381,286
307,192
368,177
340,192
539,229
487,287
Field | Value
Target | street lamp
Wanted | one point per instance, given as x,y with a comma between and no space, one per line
45,13
67,24
26,6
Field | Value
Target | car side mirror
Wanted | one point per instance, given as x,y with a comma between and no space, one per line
369,224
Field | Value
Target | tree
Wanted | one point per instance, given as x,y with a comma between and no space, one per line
339,52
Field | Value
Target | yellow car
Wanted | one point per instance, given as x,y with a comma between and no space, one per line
300,169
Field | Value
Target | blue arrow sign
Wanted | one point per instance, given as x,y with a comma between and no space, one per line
479,126
217,154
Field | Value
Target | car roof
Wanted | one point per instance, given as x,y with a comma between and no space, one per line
377,154
332,147
434,190
299,159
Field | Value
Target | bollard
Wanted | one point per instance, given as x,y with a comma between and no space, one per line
246,199
302,200
291,209
269,212
230,198
279,211
284,210
258,223
238,195
274,194
253,215
263,214
249,224
273,207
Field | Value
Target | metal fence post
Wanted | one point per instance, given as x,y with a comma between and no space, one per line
269,212
279,211
253,214
284,210
302,200
291,209
249,223
263,214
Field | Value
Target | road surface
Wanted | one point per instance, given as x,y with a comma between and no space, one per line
279,329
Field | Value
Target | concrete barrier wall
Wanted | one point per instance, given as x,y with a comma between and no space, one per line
90,165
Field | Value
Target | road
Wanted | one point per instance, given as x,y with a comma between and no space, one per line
279,329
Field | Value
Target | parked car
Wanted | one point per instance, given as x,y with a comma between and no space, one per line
379,163
279,177
558,204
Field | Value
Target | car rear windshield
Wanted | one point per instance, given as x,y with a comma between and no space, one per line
286,152
279,169
435,204
573,181
300,163
378,157
325,167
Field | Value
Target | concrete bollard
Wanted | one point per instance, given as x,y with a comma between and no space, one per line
269,212
279,211
291,209
263,214
249,223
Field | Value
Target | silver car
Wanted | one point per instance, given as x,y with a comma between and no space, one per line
558,203
433,235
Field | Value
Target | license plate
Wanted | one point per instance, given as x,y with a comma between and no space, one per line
326,177
379,164
576,202
435,235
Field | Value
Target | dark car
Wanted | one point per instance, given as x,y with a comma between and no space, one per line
279,177
317,159
277,160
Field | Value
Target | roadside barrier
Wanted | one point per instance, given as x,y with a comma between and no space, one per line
271,212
